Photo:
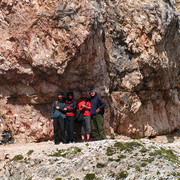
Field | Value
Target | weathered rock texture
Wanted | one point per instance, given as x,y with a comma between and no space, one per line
129,50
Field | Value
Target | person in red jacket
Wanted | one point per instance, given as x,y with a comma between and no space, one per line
70,108
84,105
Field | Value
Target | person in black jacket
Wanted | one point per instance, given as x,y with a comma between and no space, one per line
58,118
70,108
97,110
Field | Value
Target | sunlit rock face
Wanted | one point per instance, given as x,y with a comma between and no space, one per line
128,50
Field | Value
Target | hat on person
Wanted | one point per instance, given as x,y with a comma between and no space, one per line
69,94
60,94
93,90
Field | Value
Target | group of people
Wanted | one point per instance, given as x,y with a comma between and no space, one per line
65,113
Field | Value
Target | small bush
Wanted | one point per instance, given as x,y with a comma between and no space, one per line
30,152
90,176
100,165
112,135
122,156
143,150
168,154
111,174
110,159
65,152
110,151
138,168
170,139
122,174
18,157
143,164
149,160
127,146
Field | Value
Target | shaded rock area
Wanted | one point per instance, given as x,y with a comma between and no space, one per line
108,159
128,50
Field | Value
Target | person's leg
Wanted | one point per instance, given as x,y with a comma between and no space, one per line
82,131
100,124
71,127
68,128
62,129
56,137
82,137
87,126
94,128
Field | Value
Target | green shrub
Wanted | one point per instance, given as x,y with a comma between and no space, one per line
127,145
143,164
111,174
100,165
30,152
65,152
90,176
143,150
170,139
168,154
122,156
112,135
18,157
110,159
122,146
122,174
149,160
110,151
138,168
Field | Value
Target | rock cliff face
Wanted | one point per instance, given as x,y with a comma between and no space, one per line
129,50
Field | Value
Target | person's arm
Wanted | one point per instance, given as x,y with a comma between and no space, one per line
52,110
62,111
74,106
87,105
61,108
73,109
102,105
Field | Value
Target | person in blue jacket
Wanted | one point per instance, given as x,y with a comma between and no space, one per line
97,111
58,117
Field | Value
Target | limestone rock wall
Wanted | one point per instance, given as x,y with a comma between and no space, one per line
143,54
128,50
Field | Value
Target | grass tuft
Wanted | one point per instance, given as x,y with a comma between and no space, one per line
90,176
18,157
30,152
122,174
65,152
100,165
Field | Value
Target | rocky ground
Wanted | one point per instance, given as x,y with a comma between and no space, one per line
120,158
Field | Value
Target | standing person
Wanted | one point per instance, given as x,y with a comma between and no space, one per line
58,118
84,105
97,110
70,108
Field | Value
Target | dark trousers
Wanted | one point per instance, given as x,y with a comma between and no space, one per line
59,124
86,125
70,128
97,127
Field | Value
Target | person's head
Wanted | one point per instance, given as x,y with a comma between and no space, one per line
93,92
83,95
70,96
60,95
